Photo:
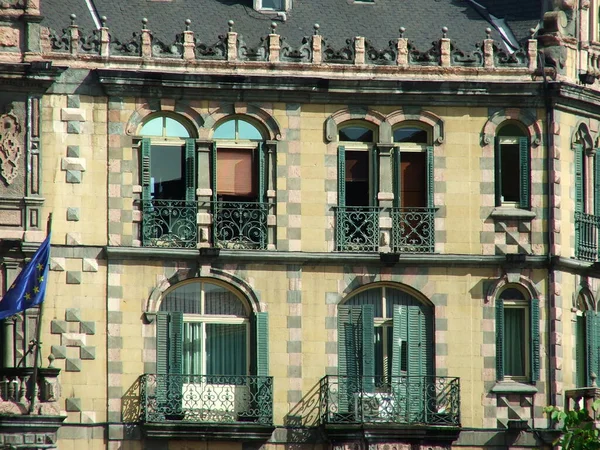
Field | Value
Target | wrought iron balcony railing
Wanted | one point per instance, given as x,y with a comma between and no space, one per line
397,400
169,223
357,228
207,399
586,236
240,225
413,230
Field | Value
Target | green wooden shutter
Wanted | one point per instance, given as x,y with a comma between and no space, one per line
367,330
580,353
345,356
499,339
535,339
592,332
396,176
262,344
399,334
146,177
578,178
597,182
341,176
498,171
430,178
261,172
176,342
213,170
525,173
416,363
162,343
190,170
375,176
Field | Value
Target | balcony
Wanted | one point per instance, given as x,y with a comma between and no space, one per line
399,400
207,407
586,236
357,228
169,223
413,230
240,225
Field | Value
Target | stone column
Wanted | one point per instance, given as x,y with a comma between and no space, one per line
188,42
231,43
204,192
10,273
385,194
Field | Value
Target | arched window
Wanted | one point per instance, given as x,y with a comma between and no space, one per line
587,195
168,178
385,335
205,352
512,162
239,185
517,335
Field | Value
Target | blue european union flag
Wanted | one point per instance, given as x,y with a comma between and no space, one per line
30,285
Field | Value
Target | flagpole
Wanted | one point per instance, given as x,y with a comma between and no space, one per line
38,336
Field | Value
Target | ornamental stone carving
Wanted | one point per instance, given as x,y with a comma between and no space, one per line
11,147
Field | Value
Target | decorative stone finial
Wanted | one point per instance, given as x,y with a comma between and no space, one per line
402,30
316,26
593,377
273,27
51,359
531,33
103,20
488,33
144,23
188,22
73,17
230,24
444,32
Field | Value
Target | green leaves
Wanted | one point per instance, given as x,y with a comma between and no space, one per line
578,428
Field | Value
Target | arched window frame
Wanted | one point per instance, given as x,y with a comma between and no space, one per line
519,171
587,338
531,333
413,147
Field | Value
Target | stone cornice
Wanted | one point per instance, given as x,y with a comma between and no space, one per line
28,77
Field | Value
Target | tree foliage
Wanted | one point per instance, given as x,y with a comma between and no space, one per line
578,429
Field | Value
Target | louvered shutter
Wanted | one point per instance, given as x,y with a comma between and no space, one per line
374,176
579,189
535,339
146,177
367,347
499,339
341,176
416,363
261,173
345,356
430,178
525,173
498,171
597,182
190,170
176,342
162,358
396,174
213,170
264,396
580,353
399,380
592,331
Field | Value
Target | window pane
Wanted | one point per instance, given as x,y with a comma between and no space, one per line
166,171
175,129
153,127
512,294
218,300
226,349
510,172
514,341
356,134
272,4
192,348
248,131
185,299
370,297
410,134
225,130
357,178
413,180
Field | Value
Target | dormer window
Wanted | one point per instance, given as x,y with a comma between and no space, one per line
272,5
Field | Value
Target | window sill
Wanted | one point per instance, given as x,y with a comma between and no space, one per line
506,212
513,387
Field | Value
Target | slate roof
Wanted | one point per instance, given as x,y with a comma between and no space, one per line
339,20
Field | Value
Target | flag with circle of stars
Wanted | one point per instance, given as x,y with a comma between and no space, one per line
29,287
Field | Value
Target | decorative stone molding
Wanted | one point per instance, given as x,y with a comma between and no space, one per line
11,147
140,115
73,332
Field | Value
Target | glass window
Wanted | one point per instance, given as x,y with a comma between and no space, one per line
512,166
411,134
355,133
277,5
237,129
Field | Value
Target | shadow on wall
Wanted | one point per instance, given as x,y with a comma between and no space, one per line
131,401
306,412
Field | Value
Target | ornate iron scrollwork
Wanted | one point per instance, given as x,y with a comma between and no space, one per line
218,50
431,57
300,54
258,53
386,56
169,223
133,47
413,230
62,42
345,55
241,225
466,59
357,228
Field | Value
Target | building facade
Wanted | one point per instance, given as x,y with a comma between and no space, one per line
283,225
